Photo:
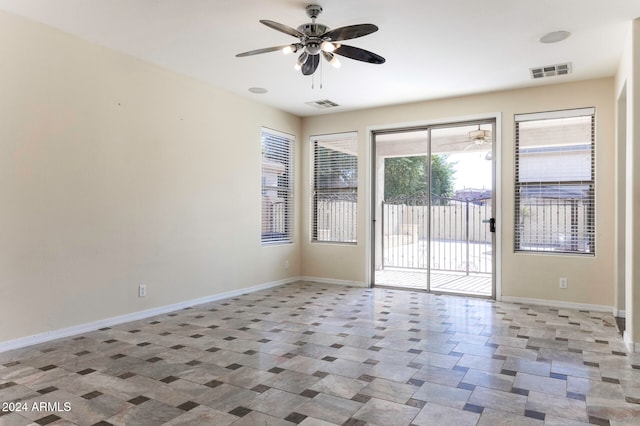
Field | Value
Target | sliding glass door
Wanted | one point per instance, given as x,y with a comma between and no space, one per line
433,208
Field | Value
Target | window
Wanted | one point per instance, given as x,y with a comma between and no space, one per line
334,188
277,187
554,199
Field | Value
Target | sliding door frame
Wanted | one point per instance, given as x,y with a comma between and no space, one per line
370,187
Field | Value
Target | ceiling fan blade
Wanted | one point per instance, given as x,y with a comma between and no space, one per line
359,54
350,31
282,28
258,51
310,66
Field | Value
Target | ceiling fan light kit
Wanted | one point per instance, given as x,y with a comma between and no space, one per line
316,39
331,58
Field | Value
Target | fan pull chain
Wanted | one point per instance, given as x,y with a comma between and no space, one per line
313,76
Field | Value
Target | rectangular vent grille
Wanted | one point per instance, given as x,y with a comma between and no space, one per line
550,70
326,103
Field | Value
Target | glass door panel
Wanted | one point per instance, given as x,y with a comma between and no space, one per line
461,179
402,218
433,201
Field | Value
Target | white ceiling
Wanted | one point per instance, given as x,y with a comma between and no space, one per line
433,48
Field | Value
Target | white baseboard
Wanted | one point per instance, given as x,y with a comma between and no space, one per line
134,316
619,313
559,304
334,281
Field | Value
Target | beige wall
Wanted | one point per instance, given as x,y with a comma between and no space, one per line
627,96
523,275
115,173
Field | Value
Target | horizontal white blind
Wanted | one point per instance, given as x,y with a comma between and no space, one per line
555,182
564,113
335,188
277,187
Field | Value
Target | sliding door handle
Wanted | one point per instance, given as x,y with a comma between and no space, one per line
492,224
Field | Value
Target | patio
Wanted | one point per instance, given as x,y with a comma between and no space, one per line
448,239
476,284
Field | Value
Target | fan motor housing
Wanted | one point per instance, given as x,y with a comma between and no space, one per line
312,29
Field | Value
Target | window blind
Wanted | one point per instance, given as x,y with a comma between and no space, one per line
277,187
335,188
555,182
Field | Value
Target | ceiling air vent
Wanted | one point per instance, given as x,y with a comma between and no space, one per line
324,104
550,70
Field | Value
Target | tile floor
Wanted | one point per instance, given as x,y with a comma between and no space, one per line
314,354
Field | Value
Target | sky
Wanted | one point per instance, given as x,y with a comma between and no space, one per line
472,170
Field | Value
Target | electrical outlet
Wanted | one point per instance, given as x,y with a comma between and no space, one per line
564,283
286,264
142,290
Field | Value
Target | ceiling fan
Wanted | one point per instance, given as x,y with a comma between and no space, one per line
316,39
474,140
479,137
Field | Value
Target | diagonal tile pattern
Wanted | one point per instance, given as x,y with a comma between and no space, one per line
314,354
